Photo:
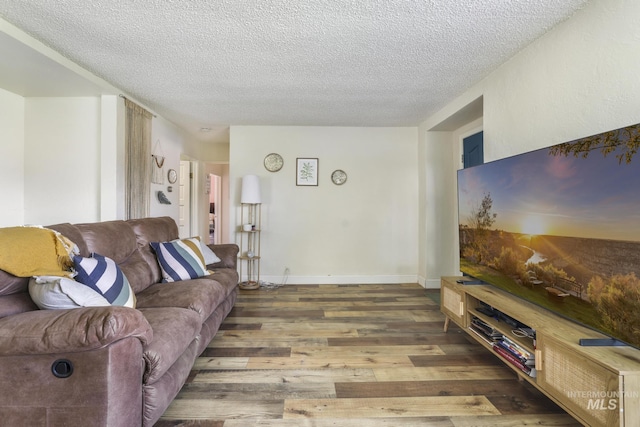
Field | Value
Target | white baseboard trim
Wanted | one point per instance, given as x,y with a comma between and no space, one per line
431,284
341,280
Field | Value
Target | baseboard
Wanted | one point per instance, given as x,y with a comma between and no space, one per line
340,280
429,283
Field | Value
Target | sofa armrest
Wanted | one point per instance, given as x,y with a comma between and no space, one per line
228,254
80,329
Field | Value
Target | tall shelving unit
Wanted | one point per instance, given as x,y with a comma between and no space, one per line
251,214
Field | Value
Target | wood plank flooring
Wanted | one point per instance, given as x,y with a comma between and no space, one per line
353,356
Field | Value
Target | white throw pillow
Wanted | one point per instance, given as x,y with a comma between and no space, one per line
210,257
54,292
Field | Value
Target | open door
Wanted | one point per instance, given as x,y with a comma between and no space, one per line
184,223
215,209
217,175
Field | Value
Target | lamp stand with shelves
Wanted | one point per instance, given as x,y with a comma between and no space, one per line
250,244
250,227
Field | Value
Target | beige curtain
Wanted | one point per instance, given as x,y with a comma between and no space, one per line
138,161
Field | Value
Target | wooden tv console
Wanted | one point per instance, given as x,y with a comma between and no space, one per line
598,386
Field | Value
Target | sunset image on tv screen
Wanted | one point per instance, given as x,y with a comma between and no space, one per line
560,226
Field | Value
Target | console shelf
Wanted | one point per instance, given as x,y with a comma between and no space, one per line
249,256
599,386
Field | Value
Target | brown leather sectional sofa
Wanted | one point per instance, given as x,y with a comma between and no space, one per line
110,366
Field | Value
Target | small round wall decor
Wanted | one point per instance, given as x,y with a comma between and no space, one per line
172,176
339,177
273,162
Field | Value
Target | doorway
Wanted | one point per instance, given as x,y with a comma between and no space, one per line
184,197
215,208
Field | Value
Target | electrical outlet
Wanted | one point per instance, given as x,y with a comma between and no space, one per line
286,271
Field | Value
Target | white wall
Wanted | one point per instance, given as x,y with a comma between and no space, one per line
365,231
166,140
112,154
62,160
577,80
436,247
11,159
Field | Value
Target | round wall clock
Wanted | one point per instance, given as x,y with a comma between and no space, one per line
172,176
273,162
339,177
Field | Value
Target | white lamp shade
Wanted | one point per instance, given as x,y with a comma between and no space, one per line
250,189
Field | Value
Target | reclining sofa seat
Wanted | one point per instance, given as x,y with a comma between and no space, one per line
127,364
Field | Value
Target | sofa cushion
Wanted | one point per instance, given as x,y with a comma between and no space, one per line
199,295
160,229
116,240
159,395
104,276
72,233
147,230
180,259
10,284
68,331
173,331
16,304
57,293
228,278
228,254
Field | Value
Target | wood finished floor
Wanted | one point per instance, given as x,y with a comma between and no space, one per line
351,355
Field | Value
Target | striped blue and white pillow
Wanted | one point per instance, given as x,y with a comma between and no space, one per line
104,276
180,259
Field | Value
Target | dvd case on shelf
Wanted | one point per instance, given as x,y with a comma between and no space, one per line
485,329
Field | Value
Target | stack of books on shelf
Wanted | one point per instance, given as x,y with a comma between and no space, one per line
508,349
517,355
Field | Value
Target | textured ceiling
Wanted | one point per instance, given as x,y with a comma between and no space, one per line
206,63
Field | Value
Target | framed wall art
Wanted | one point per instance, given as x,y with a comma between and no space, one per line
307,171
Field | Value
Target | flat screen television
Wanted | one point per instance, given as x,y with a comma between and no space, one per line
560,227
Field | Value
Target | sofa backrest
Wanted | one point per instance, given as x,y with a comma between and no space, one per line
14,295
147,230
116,240
126,242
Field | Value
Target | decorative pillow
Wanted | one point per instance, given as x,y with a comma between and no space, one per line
180,259
210,257
104,276
54,292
